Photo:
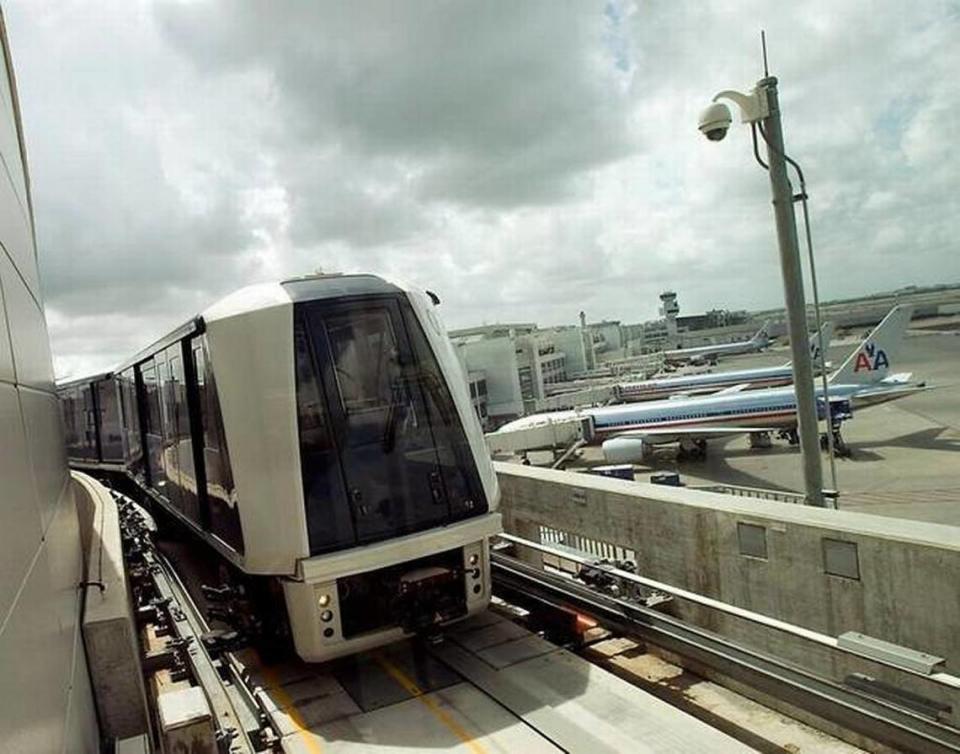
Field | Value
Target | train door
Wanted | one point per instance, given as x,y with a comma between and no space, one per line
394,482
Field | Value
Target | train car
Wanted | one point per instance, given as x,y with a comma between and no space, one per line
318,434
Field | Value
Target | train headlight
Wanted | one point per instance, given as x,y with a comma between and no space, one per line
326,616
474,559
323,600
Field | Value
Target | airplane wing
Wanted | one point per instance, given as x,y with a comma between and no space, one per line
900,378
675,434
731,390
884,393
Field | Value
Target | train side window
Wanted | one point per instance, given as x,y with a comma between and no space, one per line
111,441
221,494
181,439
68,407
132,446
153,430
88,426
170,458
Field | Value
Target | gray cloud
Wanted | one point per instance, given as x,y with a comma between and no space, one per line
526,160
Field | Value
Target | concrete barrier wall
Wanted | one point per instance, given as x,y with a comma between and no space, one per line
902,581
109,628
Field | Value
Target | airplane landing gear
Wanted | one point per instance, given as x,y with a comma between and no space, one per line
840,447
790,435
760,440
692,450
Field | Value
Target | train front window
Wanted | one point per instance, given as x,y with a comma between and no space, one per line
390,423
366,362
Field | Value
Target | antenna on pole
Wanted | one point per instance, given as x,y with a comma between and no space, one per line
763,46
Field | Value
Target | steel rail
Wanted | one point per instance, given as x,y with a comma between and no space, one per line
866,715
940,678
232,709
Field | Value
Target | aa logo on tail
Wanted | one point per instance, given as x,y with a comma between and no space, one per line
871,359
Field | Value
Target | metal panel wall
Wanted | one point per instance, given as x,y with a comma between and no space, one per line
45,698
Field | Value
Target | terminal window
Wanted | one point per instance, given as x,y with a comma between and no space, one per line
841,558
752,540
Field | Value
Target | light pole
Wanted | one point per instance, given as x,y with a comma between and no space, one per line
761,109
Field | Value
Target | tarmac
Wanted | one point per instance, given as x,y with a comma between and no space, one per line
905,458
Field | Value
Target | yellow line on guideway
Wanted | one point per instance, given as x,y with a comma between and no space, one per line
286,703
439,712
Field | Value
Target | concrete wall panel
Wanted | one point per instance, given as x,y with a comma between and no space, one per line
15,233
36,661
906,592
20,531
48,459
7,373
46,704
28,330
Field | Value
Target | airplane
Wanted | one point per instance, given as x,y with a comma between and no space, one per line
628,432
698,384
709,354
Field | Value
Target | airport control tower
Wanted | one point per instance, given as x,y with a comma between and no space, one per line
669,308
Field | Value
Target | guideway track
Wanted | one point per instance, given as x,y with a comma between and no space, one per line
492,686
870,716
495,686
239,724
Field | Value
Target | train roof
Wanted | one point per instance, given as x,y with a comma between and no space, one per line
74,381
264,296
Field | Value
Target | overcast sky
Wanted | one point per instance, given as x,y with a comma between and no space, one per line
523,159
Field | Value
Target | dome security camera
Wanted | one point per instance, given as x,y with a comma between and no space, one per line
715,121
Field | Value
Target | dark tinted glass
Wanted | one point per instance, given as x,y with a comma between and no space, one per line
87,422
133,449
111,439
169,458
329,521
181,441
391,419
153,430
460,477
221,497
71,429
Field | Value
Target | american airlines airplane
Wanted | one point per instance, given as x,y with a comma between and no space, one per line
698,384
709,354
628,432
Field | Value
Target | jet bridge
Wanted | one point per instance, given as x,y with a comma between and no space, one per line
548,434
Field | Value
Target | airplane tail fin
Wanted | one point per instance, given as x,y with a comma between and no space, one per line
877,353
817,355
763,334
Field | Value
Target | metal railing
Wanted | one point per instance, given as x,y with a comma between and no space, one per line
757,493
580,546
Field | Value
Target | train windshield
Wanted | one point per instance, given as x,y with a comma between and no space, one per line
383,451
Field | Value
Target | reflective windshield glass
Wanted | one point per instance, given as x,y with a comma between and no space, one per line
389,421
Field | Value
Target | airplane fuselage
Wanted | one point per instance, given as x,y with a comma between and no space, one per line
705,353
648,390
774,409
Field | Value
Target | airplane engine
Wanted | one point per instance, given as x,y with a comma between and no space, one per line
625,450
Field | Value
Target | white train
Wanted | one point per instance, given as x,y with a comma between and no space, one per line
316,432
